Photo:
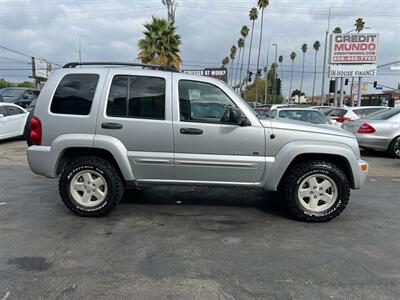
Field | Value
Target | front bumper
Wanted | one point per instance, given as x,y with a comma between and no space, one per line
360,176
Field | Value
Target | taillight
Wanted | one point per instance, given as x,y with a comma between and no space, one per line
366,128
342,119
36,131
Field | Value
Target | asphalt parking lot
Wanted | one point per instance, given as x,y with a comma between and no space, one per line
195,243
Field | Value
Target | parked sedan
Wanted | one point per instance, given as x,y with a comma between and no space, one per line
12,120
352,113
20,96
308,115
381,132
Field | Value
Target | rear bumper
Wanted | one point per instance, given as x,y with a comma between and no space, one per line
360,175
41,161
369,141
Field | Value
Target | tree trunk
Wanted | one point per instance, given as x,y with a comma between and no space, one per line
259,51
291,79
241,66
315,72
248,62
302,76
237,65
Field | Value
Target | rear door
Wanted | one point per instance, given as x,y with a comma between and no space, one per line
207,149
136,110
4,124
15,120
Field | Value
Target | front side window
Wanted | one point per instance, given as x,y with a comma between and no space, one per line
74,95
137,97
203,102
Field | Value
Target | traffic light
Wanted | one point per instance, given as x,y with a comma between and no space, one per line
332,86
375,84
259,73
278,86
249,76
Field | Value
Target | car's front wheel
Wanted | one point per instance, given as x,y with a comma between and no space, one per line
316,191
90,186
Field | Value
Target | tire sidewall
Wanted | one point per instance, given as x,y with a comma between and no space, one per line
322,170
392,151
75,205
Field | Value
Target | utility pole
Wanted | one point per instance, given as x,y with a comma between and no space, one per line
80,49
325,49
171,8
266,80
276,71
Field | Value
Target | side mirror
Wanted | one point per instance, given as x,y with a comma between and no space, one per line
25,97
236,116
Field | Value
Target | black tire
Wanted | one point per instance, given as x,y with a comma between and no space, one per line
301,171
394,148
115,187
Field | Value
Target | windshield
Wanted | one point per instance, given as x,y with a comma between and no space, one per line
385,115
309,116
11,92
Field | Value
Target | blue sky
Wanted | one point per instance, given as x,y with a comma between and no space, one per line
110,30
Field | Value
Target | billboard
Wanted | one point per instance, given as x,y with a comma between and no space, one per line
359,48
219,73
351,71
42,68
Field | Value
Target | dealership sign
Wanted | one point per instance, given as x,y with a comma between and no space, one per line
360,48
351,71
220,73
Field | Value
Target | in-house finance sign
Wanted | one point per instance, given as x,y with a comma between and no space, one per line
360,48
219,73
365,70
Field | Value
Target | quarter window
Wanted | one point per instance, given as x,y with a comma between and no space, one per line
137,97
74,95
203,102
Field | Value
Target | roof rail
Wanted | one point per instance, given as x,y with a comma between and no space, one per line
158,67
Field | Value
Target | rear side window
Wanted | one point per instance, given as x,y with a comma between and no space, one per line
74,95
3,111
12,110
337,113
137,97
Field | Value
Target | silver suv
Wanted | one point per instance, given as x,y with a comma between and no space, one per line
105,128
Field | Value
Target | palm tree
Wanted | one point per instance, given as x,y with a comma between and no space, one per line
225,61
262,4
304,50
292,57
360,24
160,44
232,56
337,30
244,32
240,44
253,14
280,59
316,46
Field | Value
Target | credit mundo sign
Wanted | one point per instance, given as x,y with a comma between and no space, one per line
359,48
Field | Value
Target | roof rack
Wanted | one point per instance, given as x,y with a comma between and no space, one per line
158,67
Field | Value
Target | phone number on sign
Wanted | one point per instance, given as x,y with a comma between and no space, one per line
354,58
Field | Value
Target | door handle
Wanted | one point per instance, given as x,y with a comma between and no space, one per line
195,131
111,125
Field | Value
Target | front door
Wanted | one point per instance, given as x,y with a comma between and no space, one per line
207,148
137,112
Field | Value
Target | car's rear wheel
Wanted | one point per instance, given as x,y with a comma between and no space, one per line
316,191
90,186
394,148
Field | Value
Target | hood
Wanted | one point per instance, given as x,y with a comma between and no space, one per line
293,125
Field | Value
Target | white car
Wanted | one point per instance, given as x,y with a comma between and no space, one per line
341,114
308,115
12,120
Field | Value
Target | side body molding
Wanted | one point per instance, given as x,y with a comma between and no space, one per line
293,149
